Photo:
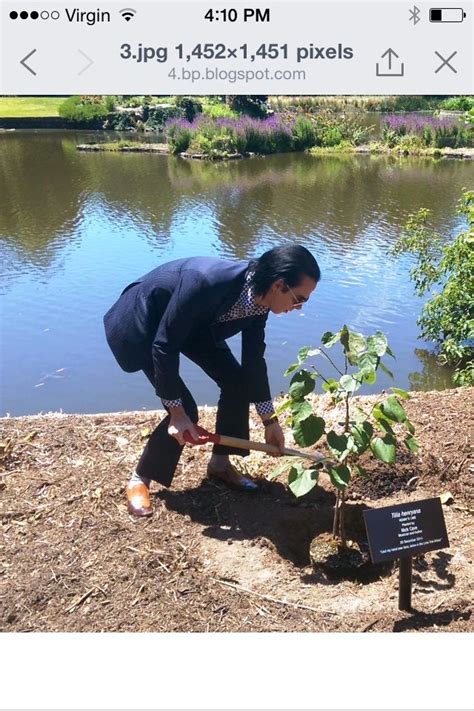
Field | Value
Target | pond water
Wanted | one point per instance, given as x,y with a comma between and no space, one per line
75,228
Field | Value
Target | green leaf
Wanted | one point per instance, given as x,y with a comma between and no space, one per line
302,384
412,444
291,369
390,353
328,339
284,465
337,443
303,354
377,412
300,409
307,431
349,384
340,476
377,344
362,433
384,448
368,361
345,338
409,425
385,425
357,344
392,409
361,471
401,393
314,352
383,367
331,386
284,406
301,481
367,375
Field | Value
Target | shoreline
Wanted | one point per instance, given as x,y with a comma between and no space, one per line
319,401
464,153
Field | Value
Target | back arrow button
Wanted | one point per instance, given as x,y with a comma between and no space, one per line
23,61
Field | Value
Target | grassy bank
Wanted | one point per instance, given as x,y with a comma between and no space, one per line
29,106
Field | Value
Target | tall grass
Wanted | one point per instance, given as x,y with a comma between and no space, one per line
427,131
309,104
219,137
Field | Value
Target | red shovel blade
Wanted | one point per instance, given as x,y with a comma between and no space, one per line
204,437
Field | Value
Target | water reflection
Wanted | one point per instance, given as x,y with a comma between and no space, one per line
76,227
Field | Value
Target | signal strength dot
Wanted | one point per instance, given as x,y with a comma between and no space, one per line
127,13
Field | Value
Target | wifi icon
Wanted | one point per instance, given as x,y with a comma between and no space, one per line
127,13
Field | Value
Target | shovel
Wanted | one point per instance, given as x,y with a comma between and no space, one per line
205,437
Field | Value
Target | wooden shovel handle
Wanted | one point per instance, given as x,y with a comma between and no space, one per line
205,437
269,448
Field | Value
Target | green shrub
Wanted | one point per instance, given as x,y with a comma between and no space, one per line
303,134
159,115
123,121
191,106
110,103
447,318
458,103
331,136
456,136
252,105
178,136
218,110
257,141
410,143
83,112
217,144
281,141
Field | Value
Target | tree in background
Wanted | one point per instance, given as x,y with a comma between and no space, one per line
447,318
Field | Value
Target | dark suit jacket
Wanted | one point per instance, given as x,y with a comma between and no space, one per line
176,303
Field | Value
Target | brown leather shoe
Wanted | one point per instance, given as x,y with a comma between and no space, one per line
232,478
138,500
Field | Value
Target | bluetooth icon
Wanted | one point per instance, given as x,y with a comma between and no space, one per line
415,15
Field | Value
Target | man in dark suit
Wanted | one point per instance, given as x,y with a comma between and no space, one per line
191,306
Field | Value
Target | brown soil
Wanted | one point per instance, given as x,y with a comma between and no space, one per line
72,559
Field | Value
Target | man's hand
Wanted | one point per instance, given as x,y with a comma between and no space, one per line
274,435
179,424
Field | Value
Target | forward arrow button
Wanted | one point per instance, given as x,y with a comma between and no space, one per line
90,62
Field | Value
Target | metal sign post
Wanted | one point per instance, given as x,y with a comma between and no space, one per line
404,583
402,531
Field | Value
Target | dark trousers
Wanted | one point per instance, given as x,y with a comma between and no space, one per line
162,452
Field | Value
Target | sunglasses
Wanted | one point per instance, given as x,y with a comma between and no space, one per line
297,300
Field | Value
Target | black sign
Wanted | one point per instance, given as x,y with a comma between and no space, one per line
405,529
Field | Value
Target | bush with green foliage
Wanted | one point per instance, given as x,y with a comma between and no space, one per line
447,318
303,133
458,103
431,132
157,116
218,144
84,112
251,105
331,129
110,103
377,432
179,134
191,106
217,109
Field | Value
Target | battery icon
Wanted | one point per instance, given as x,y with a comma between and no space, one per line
447,14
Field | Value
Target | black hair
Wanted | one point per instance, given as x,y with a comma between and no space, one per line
288,263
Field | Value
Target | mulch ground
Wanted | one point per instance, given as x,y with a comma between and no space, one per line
72,559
